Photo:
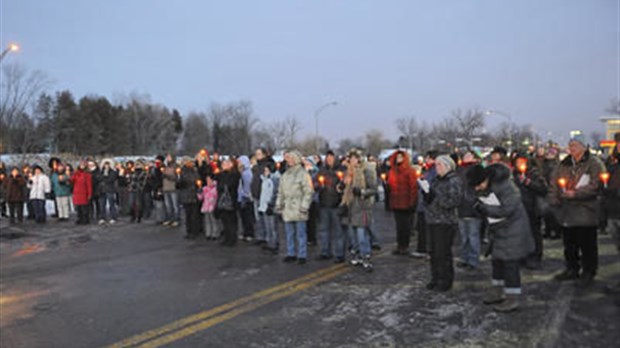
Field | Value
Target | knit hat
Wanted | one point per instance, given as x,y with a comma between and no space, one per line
476,175
580,138
447,161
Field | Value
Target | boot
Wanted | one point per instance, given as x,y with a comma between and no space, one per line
356,260
509,305
567,274
494,295
366,264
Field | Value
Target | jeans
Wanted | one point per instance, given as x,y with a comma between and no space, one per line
330,230
95,208
507,274
110,199
39,210
296,232
363,240
267,224
171,201
469,230
160,210
211,225
373,234
260,233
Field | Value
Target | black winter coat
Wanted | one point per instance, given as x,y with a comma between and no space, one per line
511,238
329,197
443,199
229,180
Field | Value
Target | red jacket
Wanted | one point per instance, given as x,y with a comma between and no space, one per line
403,184
82,187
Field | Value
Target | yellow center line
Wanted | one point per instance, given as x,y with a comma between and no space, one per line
206,324
176,325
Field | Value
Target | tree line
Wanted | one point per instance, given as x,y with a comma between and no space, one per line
34,121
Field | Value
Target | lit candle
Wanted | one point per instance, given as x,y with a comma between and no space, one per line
322,180
203,152
178,171
162,169
605,178
217,170
199,183
340,175
383,176
562,183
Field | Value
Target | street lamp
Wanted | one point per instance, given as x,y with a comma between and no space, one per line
491,112
316,123
12,47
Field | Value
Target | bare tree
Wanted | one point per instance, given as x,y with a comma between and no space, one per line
232,127
408,128
374,142
469,123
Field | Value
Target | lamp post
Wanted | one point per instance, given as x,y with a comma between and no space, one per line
491,112
317,112
10,48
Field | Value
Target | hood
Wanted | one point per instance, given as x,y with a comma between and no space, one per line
245,161
498,172
297,157
406,161
107,160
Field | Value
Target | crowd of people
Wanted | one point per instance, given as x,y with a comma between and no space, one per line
502,205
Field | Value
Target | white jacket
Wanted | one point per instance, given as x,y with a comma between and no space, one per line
40,186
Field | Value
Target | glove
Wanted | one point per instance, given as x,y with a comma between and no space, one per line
357,192
424,185
429,196
303,211
479,207
269,211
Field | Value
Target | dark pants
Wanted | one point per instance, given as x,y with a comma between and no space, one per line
136,205
230,225
30,209
508,273
441,239
94,209
16,209
247,219
313,222
193,219
581,248
82,213
537,254
422,234
404,222
39,210
552,228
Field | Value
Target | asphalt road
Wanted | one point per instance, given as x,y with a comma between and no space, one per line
142,285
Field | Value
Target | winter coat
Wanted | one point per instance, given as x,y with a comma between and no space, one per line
611,194
257,172
40,186
96,182
295,193
187,186
267,194
208,197
443,199
466,208
204,170
228,180
429,175
137,180
532,186
169,180
583,209
61,188
156,180
329,197
108,183
360,208
511,238
82,187
402,184
244,193
14,188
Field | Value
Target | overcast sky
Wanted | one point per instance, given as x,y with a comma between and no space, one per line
552,64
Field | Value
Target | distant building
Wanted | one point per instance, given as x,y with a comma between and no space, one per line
612,127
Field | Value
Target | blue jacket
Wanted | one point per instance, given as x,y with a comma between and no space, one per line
61,188
244,192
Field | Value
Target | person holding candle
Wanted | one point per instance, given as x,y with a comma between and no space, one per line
532,186
137,183
266,203
189,184
208,197
403,190
330,231
611,201
226,208
574,195
14,186
81,181
61,186
169,188
40,190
